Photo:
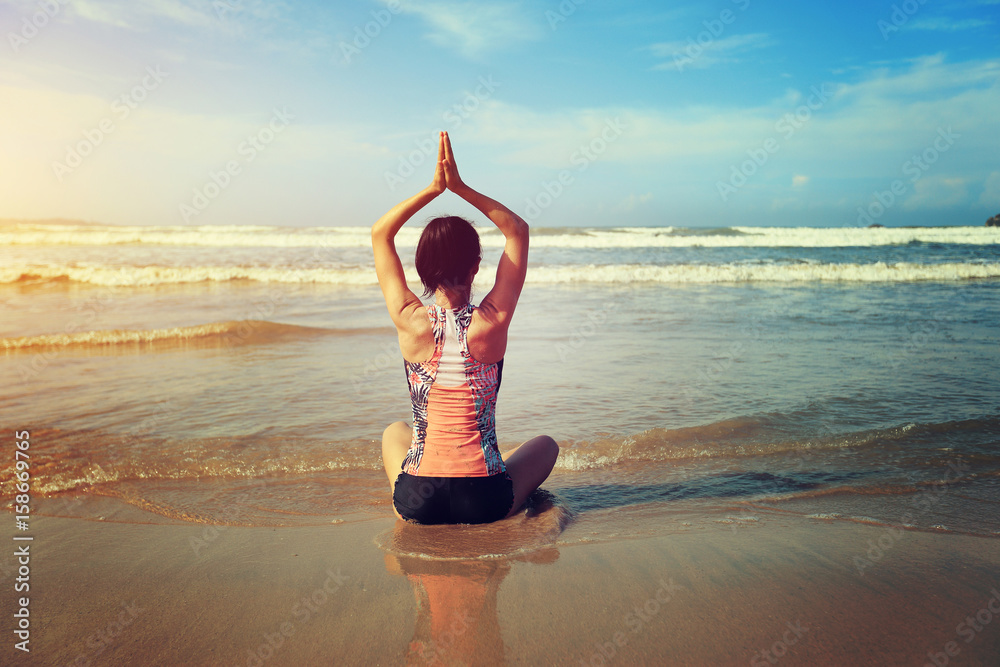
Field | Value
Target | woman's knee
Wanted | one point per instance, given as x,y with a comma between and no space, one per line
548,446
539,454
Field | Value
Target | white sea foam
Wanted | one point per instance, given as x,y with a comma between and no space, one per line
630,237
230,333
782,273
568,274
141,276
221,236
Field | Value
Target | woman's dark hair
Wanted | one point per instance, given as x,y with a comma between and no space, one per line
447,252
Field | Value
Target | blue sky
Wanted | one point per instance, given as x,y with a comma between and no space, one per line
626,113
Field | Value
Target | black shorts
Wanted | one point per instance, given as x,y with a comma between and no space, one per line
431,500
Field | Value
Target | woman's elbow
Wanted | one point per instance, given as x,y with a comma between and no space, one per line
519,228
380,232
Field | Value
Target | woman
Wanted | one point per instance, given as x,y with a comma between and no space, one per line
448,467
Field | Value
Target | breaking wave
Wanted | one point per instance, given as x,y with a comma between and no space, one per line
625,237
736,272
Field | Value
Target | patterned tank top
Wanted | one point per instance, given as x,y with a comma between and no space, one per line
454,399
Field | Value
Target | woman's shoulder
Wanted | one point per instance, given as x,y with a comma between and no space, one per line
487,342
417,333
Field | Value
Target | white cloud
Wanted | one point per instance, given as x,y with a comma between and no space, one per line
927,74
937,192
142,13
475,28
97,13
194,14
226,15
877,114
946,24
632,201
991,191
691,54
857,141
149,161
871,124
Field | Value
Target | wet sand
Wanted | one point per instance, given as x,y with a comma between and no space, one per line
107,593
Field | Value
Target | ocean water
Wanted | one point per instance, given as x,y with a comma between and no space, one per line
696,379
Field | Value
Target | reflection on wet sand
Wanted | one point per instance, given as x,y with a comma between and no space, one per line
456,572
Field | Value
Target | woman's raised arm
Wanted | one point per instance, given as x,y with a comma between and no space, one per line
399,299
498,306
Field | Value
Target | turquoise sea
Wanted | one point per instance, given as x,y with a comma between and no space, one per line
695,378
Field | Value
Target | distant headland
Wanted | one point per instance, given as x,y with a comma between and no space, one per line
4,222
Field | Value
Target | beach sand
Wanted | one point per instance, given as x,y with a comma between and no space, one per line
169,593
